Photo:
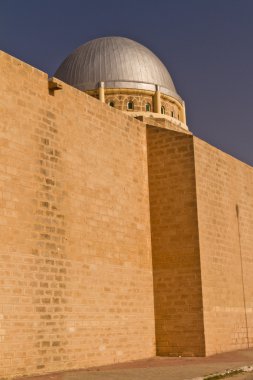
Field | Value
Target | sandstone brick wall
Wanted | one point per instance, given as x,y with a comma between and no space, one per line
175,244
226,246
163,122
76,285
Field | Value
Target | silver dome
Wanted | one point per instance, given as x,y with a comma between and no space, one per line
118,62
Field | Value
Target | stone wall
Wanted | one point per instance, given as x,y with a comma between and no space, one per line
175,243
76,208
201,205
76,285
225,217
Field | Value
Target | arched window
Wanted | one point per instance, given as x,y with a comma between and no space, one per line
172,114
148,107
163,110
130,105
111,104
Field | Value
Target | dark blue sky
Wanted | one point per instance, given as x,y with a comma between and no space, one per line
207,46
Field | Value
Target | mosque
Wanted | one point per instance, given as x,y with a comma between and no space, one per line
123,236
125,75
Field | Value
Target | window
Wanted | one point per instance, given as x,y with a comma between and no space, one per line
111,104
148,107
163,110
172,114
130,105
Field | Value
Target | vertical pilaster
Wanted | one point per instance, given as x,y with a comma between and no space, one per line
101,92
157,100
183,113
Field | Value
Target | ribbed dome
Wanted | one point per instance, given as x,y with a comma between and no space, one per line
118,62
